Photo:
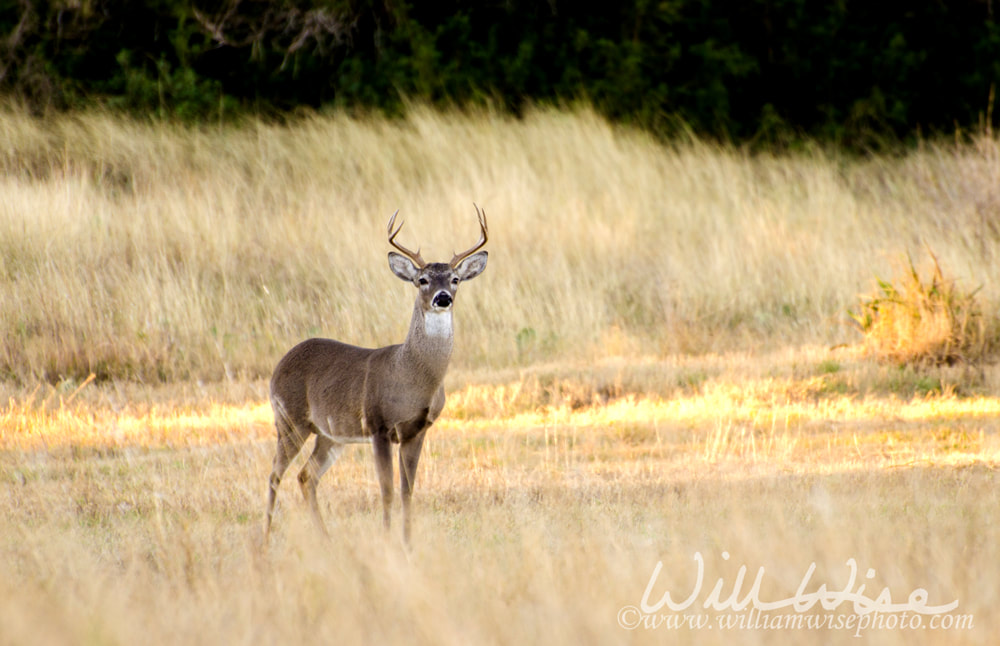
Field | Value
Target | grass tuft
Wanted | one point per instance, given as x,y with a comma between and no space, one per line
926,320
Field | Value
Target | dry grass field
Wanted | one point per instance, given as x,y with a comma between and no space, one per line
656,367
163,253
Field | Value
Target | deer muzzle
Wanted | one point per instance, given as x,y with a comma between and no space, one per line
442,300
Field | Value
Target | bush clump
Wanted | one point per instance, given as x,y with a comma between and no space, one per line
926,321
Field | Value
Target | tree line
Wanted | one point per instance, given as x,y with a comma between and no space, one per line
745,70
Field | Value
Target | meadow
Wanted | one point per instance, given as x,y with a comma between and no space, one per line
656,367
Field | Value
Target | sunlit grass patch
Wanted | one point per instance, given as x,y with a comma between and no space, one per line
30,425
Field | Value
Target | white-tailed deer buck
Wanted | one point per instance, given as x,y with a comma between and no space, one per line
343,394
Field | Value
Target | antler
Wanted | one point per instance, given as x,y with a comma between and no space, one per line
412,255
483,236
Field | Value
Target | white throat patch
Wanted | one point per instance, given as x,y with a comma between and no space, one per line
437,324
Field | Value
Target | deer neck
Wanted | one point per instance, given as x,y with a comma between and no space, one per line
429,342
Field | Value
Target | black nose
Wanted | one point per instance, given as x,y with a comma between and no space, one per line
443,299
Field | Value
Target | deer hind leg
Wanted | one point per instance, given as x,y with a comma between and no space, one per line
290,441
324,454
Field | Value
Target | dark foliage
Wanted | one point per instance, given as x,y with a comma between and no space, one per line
758,70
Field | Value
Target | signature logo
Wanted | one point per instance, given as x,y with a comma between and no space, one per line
862,606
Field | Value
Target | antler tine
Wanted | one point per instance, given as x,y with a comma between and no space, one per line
412,255
484,233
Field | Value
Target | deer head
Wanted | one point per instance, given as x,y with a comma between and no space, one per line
437,282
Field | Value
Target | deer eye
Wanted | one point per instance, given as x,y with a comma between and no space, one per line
454,281
422,280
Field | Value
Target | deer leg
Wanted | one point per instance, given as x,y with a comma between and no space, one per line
409,455
290,442
383,466
324,454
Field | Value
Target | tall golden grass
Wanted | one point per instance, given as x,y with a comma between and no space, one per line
156,252
141,521
642,374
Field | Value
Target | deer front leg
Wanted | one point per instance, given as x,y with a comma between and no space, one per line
383,466
409,456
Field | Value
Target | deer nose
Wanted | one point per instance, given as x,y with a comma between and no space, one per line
442,299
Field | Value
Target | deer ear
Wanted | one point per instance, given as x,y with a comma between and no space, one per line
472,266
403,267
